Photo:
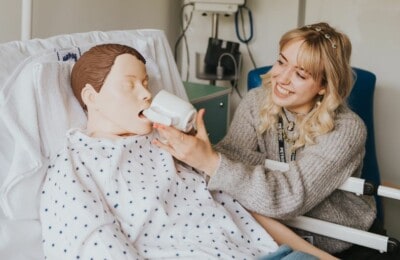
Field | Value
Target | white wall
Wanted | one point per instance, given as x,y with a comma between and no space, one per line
54,17
10,20
373,27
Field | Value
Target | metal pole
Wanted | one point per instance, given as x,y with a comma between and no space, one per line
301,16
26,20
214,24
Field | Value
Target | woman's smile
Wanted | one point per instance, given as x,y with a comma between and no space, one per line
282,92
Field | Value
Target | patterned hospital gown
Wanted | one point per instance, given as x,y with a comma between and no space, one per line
128,199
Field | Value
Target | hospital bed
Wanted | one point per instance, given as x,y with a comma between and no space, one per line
37,107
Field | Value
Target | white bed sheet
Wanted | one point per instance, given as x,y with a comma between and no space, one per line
36,110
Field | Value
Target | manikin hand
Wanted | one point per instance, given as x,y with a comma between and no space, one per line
195,151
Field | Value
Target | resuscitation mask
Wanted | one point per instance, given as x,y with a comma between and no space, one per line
168,109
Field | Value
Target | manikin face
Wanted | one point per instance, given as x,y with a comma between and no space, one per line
123,97
292,87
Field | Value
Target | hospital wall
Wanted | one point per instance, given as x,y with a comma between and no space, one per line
54,17
373,29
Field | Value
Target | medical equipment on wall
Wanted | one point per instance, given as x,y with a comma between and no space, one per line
221,54
222,59
217,6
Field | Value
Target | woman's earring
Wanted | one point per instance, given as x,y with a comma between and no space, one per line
319,101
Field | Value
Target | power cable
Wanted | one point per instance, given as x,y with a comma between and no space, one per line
245,39
183,36
220,71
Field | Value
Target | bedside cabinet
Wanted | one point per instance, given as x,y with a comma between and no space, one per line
215,100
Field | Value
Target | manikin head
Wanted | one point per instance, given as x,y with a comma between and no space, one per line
111,83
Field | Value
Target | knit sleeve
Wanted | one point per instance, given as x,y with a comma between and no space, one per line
241,141
319,169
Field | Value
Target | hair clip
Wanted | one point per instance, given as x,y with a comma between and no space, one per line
332,42
327,36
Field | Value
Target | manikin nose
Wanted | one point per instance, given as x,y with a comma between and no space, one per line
145,93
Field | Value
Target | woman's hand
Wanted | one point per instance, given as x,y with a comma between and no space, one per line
195,151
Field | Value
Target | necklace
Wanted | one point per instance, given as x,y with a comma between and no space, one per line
282,138
291,124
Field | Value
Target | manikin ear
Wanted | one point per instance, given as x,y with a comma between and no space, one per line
88,95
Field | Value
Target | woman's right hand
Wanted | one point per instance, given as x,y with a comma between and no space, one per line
194,150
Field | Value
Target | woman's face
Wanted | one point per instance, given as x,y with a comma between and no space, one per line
292,87
123,97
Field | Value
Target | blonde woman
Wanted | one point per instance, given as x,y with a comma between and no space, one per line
299,117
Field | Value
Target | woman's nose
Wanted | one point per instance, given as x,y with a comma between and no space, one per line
284,76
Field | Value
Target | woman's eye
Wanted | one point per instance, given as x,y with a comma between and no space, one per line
300,75
279,62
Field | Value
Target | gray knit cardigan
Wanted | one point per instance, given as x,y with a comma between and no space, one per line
309,187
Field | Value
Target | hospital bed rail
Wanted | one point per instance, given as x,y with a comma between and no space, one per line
352,235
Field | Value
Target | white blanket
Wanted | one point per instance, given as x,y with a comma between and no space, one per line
128,199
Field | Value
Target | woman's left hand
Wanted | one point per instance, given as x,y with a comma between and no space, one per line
195,151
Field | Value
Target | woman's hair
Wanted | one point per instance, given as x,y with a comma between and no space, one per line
95,64
325,55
